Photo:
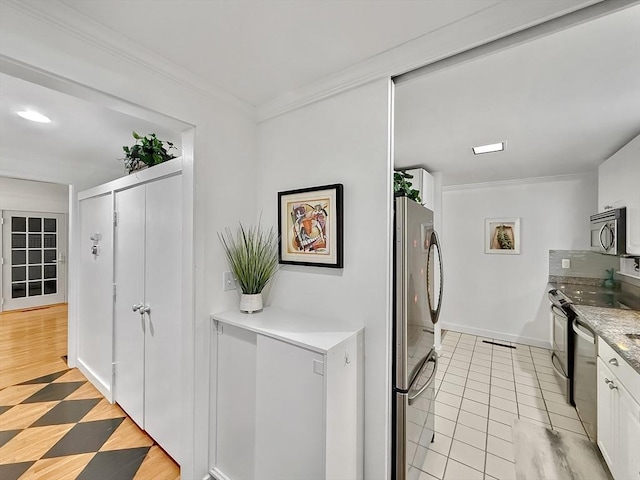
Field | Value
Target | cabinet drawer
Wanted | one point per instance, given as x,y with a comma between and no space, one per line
620,368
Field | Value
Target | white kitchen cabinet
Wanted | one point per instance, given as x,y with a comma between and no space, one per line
618,414
607,415
288,397
619,186
147,308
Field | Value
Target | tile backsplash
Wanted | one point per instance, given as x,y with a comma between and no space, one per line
584,263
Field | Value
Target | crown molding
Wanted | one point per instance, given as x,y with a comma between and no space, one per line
76,24
477,29
521,181
497,21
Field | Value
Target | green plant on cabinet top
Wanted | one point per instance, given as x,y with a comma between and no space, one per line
403,188
146,152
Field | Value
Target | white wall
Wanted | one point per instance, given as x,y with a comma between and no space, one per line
224,157
342,139
504,296
29,196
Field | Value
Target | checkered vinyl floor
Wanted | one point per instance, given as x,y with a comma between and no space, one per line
60,427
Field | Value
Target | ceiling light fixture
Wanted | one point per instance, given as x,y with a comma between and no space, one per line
494,147
34,116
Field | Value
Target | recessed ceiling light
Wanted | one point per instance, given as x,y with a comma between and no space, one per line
494,147
34,116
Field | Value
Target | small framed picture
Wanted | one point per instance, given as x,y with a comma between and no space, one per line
310,226
502,235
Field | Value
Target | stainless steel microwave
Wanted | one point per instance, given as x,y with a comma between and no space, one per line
609,232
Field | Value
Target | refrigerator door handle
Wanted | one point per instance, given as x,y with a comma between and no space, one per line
414,395
434,242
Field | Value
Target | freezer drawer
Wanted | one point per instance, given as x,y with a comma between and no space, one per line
414,416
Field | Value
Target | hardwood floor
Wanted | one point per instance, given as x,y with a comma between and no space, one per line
53,423
32,343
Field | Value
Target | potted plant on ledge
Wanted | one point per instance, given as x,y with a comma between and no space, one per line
147,152
253,258
403,188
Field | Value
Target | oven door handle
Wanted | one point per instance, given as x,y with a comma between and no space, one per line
559,312
414,395
581,334
553,364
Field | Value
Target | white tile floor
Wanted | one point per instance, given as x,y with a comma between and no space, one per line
481,389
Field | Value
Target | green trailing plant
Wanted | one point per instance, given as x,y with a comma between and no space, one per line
403,188
504,240
148,150
252,254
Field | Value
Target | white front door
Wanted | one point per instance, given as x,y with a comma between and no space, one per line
34,254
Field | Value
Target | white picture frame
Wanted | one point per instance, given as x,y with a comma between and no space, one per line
502,236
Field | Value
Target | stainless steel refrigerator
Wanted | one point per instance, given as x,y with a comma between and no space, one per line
418,297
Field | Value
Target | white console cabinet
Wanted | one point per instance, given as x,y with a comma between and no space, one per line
618,414
288,397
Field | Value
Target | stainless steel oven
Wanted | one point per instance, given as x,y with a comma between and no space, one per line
609,231
562,353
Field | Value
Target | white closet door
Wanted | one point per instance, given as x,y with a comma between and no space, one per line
129,326
163,289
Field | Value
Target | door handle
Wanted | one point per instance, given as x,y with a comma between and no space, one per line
413,395
145,309
581,334
137,307
434,243
553,364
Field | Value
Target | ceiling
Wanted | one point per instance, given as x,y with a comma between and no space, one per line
259,50
85,137
563,103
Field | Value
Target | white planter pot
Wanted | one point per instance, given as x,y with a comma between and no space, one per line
250,303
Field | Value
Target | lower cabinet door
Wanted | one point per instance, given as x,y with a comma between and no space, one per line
290,414
235,430
628,462
607,415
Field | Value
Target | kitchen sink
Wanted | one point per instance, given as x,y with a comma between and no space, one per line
634,337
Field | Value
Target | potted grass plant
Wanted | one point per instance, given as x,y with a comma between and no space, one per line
252,253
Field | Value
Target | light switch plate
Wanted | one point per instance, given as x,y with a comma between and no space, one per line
566,263
228,281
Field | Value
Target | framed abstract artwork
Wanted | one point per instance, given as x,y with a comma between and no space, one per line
310,226
502,235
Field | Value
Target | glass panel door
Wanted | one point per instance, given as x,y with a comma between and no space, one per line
34,250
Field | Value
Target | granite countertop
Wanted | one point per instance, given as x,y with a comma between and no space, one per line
612,324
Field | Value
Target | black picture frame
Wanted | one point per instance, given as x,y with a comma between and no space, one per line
310,226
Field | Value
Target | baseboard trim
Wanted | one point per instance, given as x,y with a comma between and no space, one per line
95,381
216,474
505,337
